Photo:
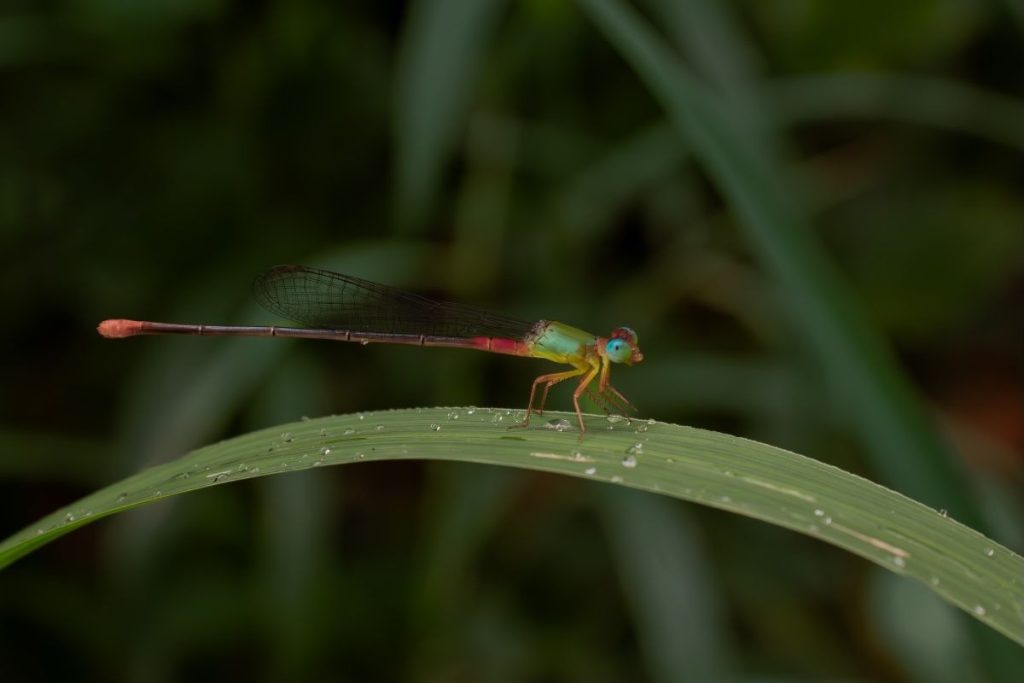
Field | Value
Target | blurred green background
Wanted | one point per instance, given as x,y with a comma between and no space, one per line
155,156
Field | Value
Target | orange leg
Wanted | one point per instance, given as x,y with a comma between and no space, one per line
579,392
610,393
599,400
602,401
548,381
548,385
544,396
622,403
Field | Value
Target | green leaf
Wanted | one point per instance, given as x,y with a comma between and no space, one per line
921,100
670,587
442,46
727,472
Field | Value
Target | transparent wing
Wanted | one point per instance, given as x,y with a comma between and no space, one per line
325,299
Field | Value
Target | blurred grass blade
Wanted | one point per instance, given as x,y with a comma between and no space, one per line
749,478
923,634
654,152
668,582
637,163
708,33
462,508
903,447
922,100
441,49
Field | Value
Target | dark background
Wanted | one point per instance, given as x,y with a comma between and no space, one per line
154,157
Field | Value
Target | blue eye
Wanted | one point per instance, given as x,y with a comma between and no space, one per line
618,351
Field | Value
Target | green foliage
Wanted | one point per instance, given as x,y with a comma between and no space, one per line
718,470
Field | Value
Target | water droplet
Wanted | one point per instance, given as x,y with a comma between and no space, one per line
122,497
577,455
40,532
379,428
636,449
943,513
360,455
617,420
470,410
590,470
818,512
361,416
989,552
980,611
642,427
899,561
349,431
616,479
304,418
629,461
325,451
935,581
434,427
559,425
286,437
364,342
323,432
827,520
70,517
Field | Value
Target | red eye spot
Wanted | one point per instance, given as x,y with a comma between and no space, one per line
624,333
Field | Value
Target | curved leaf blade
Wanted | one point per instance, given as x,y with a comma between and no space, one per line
718,470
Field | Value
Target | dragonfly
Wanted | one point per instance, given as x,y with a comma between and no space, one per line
339,307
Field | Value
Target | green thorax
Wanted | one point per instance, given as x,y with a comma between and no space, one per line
560,342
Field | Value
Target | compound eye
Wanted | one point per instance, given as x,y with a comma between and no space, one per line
618,351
